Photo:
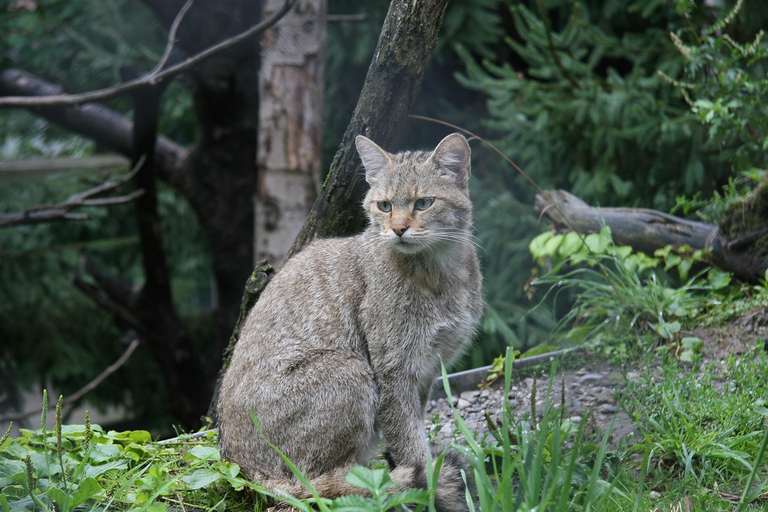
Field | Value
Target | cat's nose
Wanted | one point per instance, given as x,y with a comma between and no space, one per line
399,228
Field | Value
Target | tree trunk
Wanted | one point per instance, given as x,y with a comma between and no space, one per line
408,38
221,169
739,244
290,123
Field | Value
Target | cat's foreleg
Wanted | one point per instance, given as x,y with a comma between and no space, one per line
400,421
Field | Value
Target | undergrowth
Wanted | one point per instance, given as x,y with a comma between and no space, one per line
624,303
702,438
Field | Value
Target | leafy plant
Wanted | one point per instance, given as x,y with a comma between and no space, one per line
622,300
82,467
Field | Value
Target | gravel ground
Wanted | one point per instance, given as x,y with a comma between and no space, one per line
588,387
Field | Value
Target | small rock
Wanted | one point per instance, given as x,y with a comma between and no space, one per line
575,419
484,393
609,409
655,495
454,400
513,403
447,429
469,395
590,377
462,404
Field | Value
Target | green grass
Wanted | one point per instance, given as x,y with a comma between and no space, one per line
702,441
702,429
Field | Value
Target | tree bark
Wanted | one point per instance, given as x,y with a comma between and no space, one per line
290,123
408,38
648,230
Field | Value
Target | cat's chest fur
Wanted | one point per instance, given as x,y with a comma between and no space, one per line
415,313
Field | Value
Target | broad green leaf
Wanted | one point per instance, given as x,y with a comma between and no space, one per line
571,244
200,478
718,279
692,343
537,244
94,471
205,453
9,469
87,489
370,479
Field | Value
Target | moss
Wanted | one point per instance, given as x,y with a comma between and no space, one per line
749,216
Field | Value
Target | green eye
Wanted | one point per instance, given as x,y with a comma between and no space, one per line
384,206
423,203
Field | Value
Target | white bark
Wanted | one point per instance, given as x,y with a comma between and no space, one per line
290,122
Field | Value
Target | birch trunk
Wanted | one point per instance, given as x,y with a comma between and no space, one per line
291,84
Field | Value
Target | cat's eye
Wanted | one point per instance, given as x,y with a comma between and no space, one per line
423,203
384,206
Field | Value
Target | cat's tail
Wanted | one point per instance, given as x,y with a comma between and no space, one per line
450,495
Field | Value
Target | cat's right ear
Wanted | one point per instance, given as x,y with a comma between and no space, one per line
375,160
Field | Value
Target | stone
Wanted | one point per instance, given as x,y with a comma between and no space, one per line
590,377
462,404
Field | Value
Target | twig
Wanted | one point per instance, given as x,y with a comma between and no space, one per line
82,391
151,78
171,38
63,211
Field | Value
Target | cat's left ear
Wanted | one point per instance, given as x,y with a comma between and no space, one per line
375,160
453,156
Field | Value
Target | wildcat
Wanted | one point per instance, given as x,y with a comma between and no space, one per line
343,345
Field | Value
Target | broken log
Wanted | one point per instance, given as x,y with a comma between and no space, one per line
648,230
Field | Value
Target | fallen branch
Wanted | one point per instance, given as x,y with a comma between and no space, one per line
63,211
152,78
109,370
648,230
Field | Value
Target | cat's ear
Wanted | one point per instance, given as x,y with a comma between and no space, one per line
375,160
453,155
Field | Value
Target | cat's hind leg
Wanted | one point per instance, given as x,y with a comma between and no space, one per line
319,410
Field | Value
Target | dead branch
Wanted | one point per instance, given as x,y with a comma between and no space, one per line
109,370
63,211
171,38
648,230
152,78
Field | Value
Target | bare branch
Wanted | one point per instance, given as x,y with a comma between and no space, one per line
63,211
151,78
109,370
171,38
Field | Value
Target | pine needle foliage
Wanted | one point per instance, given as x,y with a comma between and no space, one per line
584,104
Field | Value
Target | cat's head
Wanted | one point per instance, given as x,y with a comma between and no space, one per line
418,200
